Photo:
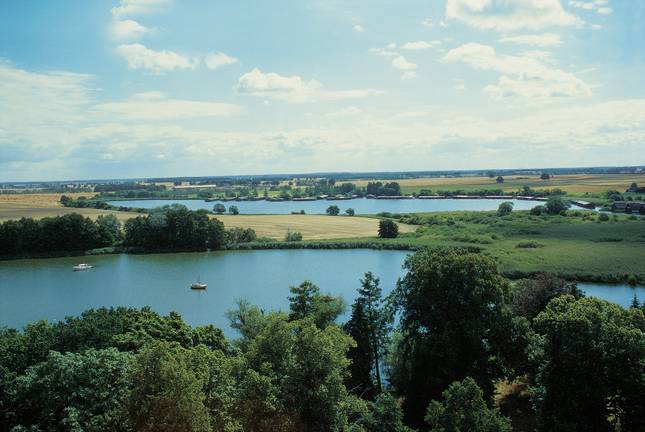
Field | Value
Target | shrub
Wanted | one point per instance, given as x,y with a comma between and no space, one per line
531,244
293,236
538,210
350,212
388,229
505,208
603,217
333,210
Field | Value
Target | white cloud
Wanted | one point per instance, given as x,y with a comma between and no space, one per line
600,6
153,106
420,45
52,128
128,30
140,57
427,23
409,75
383,52
505,15
541,40
525,75
605,10
139,7
293,89
345,112
401,63
359,28
216,60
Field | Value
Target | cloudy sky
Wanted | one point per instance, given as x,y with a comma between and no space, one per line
133,88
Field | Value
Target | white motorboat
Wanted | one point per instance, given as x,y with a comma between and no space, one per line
198,285
82,266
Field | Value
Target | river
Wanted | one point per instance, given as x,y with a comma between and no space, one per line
49,289
360,205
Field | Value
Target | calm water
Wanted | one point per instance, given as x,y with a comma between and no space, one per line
360,205
49,289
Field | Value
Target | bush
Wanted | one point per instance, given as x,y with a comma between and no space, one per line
333,210
293,236
603,217
233,210
538,210
505,208
350,212
388,229
531,244
556,205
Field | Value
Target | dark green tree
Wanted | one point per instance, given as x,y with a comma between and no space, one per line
505,208
332,210
454,324
556,205
350,212
233,210
388,229
464,409
308,302
592,374
219,208
531,296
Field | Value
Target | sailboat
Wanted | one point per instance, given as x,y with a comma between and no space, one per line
198,285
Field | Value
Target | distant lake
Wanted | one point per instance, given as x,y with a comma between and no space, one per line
48,288
360,205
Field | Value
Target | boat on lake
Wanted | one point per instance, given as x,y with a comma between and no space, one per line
82,266
198,285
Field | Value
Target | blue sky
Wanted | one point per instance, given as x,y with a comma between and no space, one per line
134,88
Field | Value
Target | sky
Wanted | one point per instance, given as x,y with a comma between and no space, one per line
155,88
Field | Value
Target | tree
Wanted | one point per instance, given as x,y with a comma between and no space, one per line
538,210
350,212
500,179
369,326
109,228
635,303
240,235
293,236
556,205
308,302
464,409
385,415
453,317
233,210
505,208
73,391
591,375
545,176
333,210
603,217
388,229
531,296
167,393
219,208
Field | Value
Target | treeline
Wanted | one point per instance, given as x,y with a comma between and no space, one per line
169,228
559,361
174,228
71,232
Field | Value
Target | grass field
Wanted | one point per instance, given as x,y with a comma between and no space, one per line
574,184
578,247
312,227
38,206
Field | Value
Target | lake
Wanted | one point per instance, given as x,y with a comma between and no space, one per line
360,205
49,289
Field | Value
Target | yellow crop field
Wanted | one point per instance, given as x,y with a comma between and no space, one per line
312,227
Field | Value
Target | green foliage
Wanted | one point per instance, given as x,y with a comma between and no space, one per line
387,189
240,235
388,229
603,217
293,236
167,392
350,212
385,415
538,210
453,317
591,375
308,303
530,296
332,210
233,210
556,205
175,228
369,326
530,244
219,208
73,391
464,409
70,232
505,208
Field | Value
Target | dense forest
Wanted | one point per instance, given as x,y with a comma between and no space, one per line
430,356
